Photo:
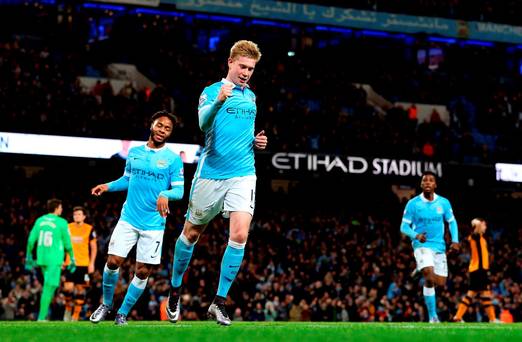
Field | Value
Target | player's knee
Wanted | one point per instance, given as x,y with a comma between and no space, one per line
429,282
113,262
239,237
143,271
112,265
440,281
427,273
68,287
192,235
143,274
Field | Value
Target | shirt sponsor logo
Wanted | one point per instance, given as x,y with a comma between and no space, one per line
429,220
147,175
242,113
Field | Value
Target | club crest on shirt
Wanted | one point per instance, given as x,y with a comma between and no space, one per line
162,164
439,210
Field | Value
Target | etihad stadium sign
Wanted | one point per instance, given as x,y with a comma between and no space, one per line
353,165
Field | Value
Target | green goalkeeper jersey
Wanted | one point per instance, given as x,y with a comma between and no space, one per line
52,237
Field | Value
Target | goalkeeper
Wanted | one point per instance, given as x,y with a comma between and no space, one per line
51,234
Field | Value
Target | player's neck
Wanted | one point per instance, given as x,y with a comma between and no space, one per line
154,145
232,82
429,196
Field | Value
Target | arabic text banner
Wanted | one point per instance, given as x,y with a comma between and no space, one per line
352,18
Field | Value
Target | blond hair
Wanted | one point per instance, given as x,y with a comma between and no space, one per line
476,221
245,48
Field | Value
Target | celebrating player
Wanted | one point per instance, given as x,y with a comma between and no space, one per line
225,179
478,272
83,238
150,171
423,223
53,238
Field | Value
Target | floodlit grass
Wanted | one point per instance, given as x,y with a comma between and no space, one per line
256,331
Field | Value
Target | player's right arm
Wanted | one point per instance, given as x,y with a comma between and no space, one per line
120,184
33,236
209,104
407,220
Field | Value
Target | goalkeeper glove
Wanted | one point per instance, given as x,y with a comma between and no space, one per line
29,262
72,266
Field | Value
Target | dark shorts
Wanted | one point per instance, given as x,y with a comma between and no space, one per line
80,276
479,280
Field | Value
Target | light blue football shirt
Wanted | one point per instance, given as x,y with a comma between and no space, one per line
149,173
229,133
423,216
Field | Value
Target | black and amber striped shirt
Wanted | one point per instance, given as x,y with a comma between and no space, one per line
81,236
479,253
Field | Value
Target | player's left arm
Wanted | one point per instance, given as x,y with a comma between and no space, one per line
93,251
67,245
177,188
453,227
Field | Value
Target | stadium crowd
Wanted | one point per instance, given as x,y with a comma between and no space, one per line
297,104
351,265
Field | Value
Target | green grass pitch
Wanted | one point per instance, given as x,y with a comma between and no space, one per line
255,331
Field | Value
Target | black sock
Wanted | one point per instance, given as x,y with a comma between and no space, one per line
219,300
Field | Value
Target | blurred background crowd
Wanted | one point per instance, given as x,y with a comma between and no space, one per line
345,266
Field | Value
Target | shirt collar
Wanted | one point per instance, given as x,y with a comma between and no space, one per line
147,148
224,80
424,199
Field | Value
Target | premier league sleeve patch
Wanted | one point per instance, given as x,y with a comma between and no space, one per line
202,99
